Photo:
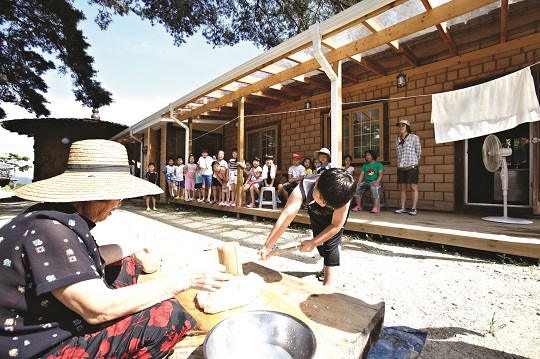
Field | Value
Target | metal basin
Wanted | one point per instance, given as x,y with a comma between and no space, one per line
260,334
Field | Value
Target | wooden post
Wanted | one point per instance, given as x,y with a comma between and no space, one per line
190,148
241,146
337,156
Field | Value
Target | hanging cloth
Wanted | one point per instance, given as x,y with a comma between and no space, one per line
491,107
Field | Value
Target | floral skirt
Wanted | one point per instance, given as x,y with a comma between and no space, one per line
150,333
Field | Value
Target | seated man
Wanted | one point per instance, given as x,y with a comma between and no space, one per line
295,176
370,177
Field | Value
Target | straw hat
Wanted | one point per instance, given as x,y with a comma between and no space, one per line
322,150
96,170
403,121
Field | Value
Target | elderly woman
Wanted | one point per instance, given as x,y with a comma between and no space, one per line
65,297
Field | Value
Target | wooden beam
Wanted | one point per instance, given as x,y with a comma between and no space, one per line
504,20
443,31
412,25
277,95
526,41
317,82
296,91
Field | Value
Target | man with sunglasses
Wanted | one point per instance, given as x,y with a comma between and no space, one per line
408,155
328,196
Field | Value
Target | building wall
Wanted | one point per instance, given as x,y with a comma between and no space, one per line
302,131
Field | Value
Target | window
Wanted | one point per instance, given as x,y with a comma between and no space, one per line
362,129
261,142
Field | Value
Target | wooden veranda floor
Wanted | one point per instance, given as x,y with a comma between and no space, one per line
466,230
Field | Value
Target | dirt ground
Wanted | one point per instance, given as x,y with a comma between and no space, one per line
470,306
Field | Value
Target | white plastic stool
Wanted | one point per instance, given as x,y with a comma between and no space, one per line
272,202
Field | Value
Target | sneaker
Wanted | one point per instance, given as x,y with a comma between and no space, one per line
320,276
233,203
257,200
400,211
155,209
375,210
176,197
148,209
412,212
278,201
182,198
200,200
251,205
356,208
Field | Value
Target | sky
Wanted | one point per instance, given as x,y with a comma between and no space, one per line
142,68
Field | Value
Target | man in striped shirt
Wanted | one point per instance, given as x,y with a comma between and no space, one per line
408,152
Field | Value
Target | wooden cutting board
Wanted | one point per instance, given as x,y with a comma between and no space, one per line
345,326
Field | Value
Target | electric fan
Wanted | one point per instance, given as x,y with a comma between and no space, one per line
493,155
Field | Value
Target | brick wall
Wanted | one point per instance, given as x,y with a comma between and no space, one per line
302,131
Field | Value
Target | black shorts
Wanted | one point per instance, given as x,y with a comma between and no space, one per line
290,186
215,182
408,176
198,185
330,249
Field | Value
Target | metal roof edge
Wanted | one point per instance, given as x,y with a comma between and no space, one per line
346,16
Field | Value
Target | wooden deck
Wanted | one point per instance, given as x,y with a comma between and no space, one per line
466,230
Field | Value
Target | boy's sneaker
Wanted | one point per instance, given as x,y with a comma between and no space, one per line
375,210
356,208
400,211
278,201
257,200
148,209
155,209
412,212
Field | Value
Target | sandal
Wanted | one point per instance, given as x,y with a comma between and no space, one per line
320,276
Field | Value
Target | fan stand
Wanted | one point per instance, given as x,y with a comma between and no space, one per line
505,218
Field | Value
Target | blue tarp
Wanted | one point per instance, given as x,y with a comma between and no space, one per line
398,343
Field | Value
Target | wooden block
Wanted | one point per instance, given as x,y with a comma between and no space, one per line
229,256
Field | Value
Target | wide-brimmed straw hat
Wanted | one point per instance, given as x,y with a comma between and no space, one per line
96,170
324,150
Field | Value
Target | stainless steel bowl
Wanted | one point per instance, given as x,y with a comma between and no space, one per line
260,334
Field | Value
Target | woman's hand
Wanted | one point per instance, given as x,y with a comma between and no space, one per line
209,279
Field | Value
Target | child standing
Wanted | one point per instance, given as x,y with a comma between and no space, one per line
179,178
189,171
169,176
233,174
151,176
198,186
204,164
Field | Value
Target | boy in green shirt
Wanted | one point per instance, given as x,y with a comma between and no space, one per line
370,177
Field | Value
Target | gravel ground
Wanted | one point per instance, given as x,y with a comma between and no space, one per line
470,306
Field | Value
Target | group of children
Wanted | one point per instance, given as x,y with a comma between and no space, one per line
214,180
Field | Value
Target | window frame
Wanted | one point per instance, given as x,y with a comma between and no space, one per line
383,150
260,151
